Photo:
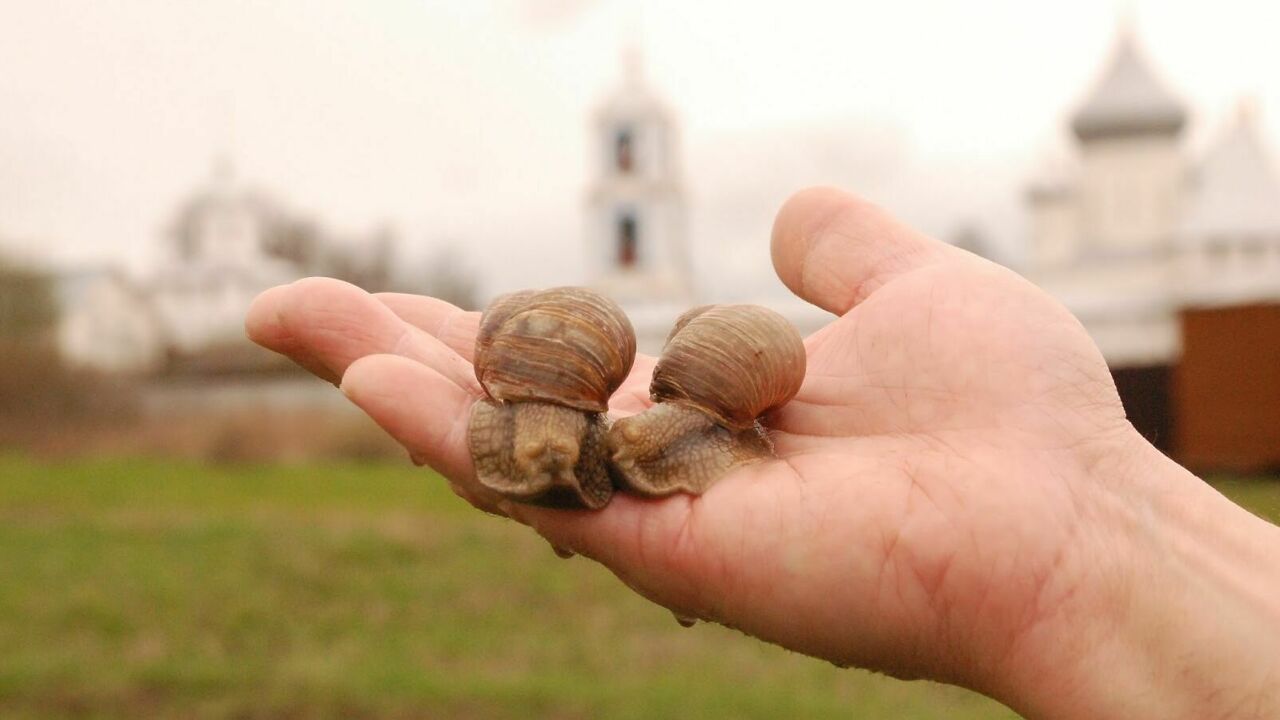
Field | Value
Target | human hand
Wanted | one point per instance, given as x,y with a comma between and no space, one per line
957,493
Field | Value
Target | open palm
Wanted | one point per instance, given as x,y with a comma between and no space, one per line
923,515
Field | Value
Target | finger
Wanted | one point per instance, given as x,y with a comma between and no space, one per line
633,395
262,325
834,249
452,325
335,323
457,329
762,551
425,412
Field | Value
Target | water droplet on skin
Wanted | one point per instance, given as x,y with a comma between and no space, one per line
840,665
684,620
562,553
416,459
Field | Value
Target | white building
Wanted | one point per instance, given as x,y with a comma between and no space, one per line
195,302
217,265
638,246
1228,240
1133,229
107,323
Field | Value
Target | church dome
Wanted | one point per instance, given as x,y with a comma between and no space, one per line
1236,192
634,99
1128,100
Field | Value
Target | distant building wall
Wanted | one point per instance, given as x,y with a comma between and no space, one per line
1054,227
1130,192
1227,388
106,325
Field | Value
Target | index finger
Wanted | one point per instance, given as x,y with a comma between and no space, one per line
449,323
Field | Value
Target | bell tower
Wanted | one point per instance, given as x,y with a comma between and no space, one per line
1133,176
636,240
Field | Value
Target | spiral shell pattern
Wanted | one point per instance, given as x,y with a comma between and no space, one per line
569,346
734,362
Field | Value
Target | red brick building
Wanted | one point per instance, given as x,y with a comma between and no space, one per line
1226,389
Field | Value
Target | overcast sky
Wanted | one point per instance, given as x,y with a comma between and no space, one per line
466,122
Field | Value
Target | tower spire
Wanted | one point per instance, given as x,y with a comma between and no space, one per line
632,52
632,63
1128,98
636,200
1126,20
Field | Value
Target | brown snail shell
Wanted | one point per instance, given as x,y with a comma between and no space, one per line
734,362
568,346
723,367
548,360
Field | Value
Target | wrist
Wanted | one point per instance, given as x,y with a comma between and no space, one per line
1177,615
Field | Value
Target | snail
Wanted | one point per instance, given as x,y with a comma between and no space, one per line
548,361
723,366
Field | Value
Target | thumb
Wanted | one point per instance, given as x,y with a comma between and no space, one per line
834,249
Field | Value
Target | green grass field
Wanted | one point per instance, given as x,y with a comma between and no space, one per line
154,589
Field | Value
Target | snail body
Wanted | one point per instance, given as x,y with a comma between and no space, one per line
723,366
548,361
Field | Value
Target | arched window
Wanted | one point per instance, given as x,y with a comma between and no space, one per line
624,150
628,240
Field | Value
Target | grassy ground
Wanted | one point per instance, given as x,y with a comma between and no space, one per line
142,588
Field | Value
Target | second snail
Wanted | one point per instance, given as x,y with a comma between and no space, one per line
549,360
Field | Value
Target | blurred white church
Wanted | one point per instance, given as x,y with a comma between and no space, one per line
1136,234
636,219
194,302
1134,227
226,243
638,246
217,263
